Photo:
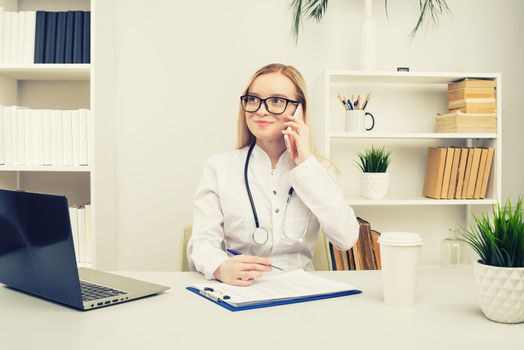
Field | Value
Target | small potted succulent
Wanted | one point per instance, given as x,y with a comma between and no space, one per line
499,272
374,164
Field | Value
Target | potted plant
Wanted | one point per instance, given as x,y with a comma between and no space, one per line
374,164
499,273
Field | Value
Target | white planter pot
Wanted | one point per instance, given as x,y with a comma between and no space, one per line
500,292
375,185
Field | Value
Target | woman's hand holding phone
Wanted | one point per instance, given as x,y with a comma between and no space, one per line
296,136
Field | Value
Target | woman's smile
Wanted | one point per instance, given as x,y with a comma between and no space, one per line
263,122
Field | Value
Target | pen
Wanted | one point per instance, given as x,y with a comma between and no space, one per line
236,252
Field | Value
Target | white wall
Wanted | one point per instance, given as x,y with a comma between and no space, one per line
181,65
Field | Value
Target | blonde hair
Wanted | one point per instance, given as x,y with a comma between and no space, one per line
244,135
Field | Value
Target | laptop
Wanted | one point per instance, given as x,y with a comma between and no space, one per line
37,256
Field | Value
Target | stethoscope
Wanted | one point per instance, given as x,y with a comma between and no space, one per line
260,235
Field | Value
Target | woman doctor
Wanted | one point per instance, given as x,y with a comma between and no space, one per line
260,199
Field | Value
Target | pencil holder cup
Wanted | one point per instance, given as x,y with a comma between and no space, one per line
356,121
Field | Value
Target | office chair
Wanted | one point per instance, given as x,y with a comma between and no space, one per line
320,258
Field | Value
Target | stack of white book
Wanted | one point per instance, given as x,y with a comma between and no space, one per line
17,35
34,137
81,229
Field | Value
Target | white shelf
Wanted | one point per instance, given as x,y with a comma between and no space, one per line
415,201
429,135
363,77
82,168
46,71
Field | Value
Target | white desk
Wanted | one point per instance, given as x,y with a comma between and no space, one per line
446,317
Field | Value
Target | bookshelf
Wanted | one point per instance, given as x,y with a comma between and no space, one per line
67,87
404,105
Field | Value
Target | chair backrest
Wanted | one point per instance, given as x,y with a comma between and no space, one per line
184,240
320,258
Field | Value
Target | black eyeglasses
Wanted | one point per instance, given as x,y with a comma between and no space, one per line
274,105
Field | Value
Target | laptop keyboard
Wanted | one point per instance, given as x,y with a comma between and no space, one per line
92,291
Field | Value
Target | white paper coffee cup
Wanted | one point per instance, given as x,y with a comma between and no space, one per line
399,252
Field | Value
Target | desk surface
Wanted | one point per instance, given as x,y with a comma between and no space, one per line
446,316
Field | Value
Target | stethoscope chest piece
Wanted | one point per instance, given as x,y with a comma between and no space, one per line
260,236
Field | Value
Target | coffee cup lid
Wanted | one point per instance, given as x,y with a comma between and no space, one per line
400,239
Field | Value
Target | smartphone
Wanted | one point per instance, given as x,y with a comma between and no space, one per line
290,141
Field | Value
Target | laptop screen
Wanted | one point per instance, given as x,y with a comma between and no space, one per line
36,246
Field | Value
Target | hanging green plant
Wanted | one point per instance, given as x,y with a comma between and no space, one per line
315,9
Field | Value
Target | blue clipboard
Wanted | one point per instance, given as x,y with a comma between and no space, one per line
273,303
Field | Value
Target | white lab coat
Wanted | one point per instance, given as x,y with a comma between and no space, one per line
222,214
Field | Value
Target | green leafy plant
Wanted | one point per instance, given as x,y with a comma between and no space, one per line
315,9
374,160
499,241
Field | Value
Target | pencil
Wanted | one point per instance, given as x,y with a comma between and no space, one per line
366,100
342,101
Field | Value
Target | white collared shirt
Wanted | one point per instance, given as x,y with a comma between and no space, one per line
222,213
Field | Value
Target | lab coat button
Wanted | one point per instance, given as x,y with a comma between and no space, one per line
277,211
273,172
274,192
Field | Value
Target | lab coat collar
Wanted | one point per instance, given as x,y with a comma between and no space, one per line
259,155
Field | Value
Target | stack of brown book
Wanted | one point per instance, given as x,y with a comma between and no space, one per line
458,172
464,122
472,96
472,107
365,254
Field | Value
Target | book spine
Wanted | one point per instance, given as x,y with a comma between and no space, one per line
83,137
28,116
75,127
69,33
29,37
48,134
38,137
20,119
328,254
40,39
351,259
86,38
14,134
60,37
68,137
339,264
20,44
78,37
13,42
332,256
376,249
480,174
7,37
50,37
54,137
58,115
8,142
487,172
